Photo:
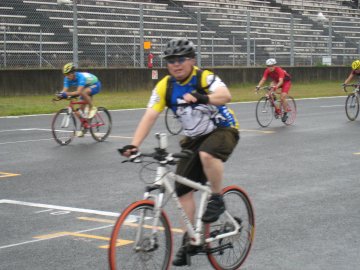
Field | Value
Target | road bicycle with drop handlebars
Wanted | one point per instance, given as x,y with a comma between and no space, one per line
64,123
269,107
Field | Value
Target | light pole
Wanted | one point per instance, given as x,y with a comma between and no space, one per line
75,29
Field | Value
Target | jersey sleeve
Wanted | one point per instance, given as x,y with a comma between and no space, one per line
266,73
281,73
66,83
208,79
157,99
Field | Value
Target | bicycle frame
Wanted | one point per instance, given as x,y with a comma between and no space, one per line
163,182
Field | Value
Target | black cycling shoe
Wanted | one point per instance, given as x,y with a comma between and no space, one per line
215,208
284,117
182,256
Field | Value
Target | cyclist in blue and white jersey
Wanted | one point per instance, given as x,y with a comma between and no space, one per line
86,85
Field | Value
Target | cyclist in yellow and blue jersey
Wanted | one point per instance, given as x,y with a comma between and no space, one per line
86,85
211,130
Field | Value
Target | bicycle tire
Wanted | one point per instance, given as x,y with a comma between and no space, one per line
172,123
352,106
63,127
101,124
240,208
291,114
124,255
264,112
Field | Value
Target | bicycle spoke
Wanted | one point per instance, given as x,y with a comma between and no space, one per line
100,125
63,127
236,247
352,107
264,112
134,245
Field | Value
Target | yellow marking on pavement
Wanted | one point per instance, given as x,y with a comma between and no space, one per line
97,219
131,224
358,153
5,174
258,131
52,235
120,242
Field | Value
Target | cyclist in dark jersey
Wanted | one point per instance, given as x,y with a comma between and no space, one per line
354,72
280,79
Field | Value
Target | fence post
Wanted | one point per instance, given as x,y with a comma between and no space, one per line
248,39
105,43
141,35
75,36
5,47
198,60
40,52
292,49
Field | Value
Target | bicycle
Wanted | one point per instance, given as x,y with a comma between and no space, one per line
64,124
352,101
266,108
172,122
142,235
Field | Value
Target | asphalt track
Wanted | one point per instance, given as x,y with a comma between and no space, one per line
58,204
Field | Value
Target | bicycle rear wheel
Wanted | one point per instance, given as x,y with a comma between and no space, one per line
63,127
172,122
291,110
352,106
135,245
100,125
235,248
264,112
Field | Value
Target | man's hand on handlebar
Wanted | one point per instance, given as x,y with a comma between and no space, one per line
128,150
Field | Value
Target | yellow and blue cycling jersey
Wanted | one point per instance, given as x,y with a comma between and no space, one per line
196,119
81,79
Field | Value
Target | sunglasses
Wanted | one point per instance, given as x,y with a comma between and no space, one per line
179,60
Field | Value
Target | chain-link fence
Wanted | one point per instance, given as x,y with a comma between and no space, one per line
111,33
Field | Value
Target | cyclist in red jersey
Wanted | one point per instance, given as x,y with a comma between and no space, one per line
280,79
354,72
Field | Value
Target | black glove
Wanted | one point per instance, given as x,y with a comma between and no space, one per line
201,99
127,147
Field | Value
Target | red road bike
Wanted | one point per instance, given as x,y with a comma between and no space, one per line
64,124
269,107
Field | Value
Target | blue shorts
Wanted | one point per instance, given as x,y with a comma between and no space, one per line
95,88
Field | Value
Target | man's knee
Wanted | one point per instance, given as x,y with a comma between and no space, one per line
206,157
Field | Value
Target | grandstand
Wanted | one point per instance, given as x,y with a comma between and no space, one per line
39,33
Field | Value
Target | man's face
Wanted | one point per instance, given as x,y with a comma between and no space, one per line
272,68
70,76
180,66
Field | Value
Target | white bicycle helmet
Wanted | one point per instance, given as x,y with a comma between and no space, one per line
271,62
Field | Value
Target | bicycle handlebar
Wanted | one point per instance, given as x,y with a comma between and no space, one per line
354,85
160,155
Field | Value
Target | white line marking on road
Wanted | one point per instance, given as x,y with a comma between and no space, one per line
329,106
57,236
72,209
27,141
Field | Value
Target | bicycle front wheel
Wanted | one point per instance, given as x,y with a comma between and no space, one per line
63,127
232,250
291,110
352,107
139,243
264,112
100,125
172,122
